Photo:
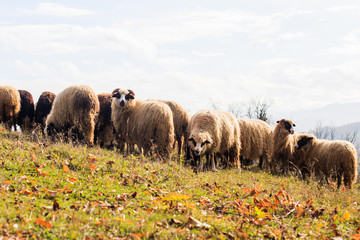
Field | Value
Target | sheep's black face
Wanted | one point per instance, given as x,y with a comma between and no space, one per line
198,147
303,141
288,126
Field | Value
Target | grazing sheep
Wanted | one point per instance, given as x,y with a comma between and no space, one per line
257,141
27,112
43,108
214,132
148,124
75,108
9,106
104,128
284,142
181,121
328,158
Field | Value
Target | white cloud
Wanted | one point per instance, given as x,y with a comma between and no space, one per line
58,10
350,45
293,36
67,39
344,8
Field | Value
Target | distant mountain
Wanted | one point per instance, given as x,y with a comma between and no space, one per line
331,115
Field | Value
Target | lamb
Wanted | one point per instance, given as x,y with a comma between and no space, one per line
257,141
27,112
9,106
148,124
284,142
181,121
327,158
43,108
104,128
75,108
214,132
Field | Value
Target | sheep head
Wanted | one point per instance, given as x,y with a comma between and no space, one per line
123,96
303,141
200,143
287,125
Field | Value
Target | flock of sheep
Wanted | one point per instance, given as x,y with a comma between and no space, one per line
154,126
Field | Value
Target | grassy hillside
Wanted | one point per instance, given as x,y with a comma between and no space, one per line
75,192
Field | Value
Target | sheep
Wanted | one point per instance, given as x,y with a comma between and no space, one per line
9,106
148,124
77,108
181,121
257,141
284,142
27,112
43,108
214,132
104,128
326,158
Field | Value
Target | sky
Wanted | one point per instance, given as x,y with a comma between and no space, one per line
297,55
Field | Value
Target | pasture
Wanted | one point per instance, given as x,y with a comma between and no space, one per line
70,191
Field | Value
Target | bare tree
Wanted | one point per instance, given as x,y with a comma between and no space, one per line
258,108
324,132
254,108
351,136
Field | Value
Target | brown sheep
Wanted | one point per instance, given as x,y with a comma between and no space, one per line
27,111
104,128
284,142
9,106
181,121
257,141
75,108
148,124
327,158
214,132
43,108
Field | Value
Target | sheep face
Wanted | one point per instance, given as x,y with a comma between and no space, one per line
122,96
200,143
287,125
303,142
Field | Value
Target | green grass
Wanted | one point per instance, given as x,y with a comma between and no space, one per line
62,191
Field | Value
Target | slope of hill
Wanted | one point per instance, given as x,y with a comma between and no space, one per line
58,190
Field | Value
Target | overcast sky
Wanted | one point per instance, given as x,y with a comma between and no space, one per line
297,54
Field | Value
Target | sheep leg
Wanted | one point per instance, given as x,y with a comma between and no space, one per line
212,158
201,164
179,146
261,162
14,118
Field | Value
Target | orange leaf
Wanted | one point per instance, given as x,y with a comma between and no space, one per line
43,223
346,216
92,166
8,182
39,171
72,179
277,233
66,168
300,211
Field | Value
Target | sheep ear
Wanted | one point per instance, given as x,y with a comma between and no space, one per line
132,94
278,121
115,93
207,142
310,138
294,125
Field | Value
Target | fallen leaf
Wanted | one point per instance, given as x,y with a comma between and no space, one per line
346,216
66,168
43,223
197,223
56,205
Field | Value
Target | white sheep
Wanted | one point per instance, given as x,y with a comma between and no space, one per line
75,108
148,124
9,106
214,132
